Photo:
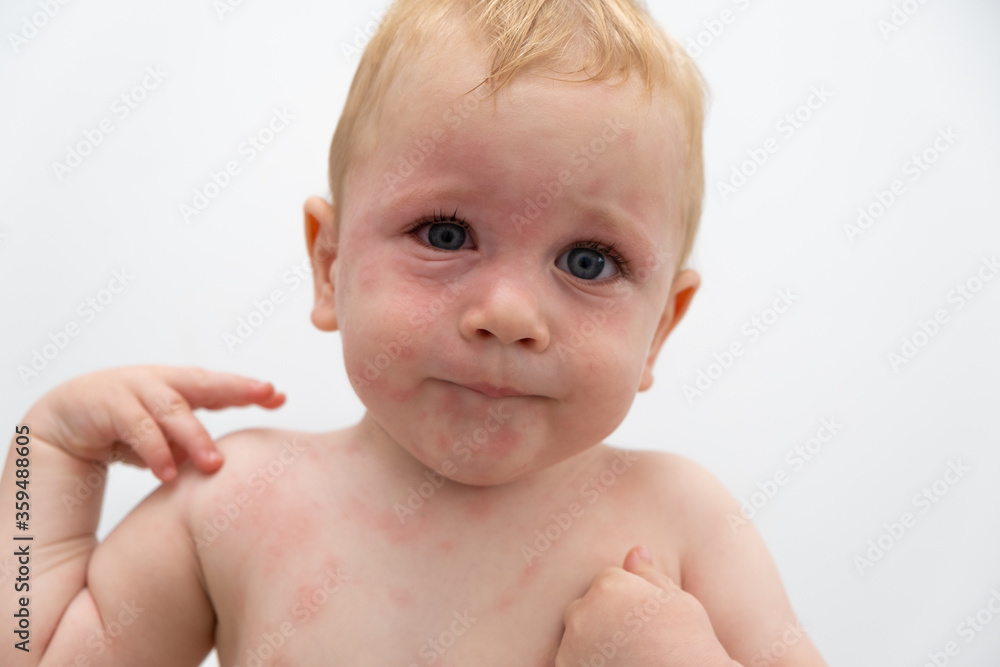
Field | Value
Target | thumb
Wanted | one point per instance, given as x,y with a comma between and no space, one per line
639,561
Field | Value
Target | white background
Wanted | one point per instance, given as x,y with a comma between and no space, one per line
60,241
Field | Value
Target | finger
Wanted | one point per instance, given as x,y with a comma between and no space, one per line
185,432
122,453
212,390
179,453
137,429
276,400
639,561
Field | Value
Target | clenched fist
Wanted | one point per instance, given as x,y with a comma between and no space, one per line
636,616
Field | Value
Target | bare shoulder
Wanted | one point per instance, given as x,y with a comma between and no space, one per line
725,564
253,459
264,450
248,444
681,486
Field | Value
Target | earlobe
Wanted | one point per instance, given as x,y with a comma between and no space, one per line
682,290
322,247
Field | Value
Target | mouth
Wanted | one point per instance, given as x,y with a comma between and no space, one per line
493,391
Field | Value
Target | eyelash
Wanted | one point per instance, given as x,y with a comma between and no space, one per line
436,217
624,273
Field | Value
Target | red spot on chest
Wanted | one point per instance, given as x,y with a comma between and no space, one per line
504,603
479,506
400,597
529,575
396,526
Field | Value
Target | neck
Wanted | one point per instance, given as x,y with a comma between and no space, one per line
404,469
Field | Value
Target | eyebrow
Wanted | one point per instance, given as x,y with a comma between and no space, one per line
418,195
606,220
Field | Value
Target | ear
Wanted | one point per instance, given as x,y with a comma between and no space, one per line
321,242
682,290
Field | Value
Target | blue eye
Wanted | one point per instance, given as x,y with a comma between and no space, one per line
441,232
585,263
590,261
446,235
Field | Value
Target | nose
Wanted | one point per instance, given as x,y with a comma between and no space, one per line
507,308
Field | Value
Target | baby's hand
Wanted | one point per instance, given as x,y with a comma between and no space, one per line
142,415
638,616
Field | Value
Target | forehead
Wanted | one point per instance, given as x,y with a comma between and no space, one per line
602,142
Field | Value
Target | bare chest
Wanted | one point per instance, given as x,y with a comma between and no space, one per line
360,581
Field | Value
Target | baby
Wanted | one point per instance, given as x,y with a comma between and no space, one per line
515,190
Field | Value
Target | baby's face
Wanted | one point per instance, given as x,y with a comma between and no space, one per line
503,282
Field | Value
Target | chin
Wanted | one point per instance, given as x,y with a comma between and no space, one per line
485,478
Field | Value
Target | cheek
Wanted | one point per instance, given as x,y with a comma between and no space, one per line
606,343
605,367
379,327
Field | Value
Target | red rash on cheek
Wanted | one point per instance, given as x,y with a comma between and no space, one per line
627,139
400,395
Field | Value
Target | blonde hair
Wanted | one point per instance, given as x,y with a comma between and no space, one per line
611,39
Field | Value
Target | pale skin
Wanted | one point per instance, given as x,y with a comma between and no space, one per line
533,544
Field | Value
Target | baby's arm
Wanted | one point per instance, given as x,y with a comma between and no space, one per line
727,567
136,598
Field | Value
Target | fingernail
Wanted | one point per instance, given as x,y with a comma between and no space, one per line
212,456
644,554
